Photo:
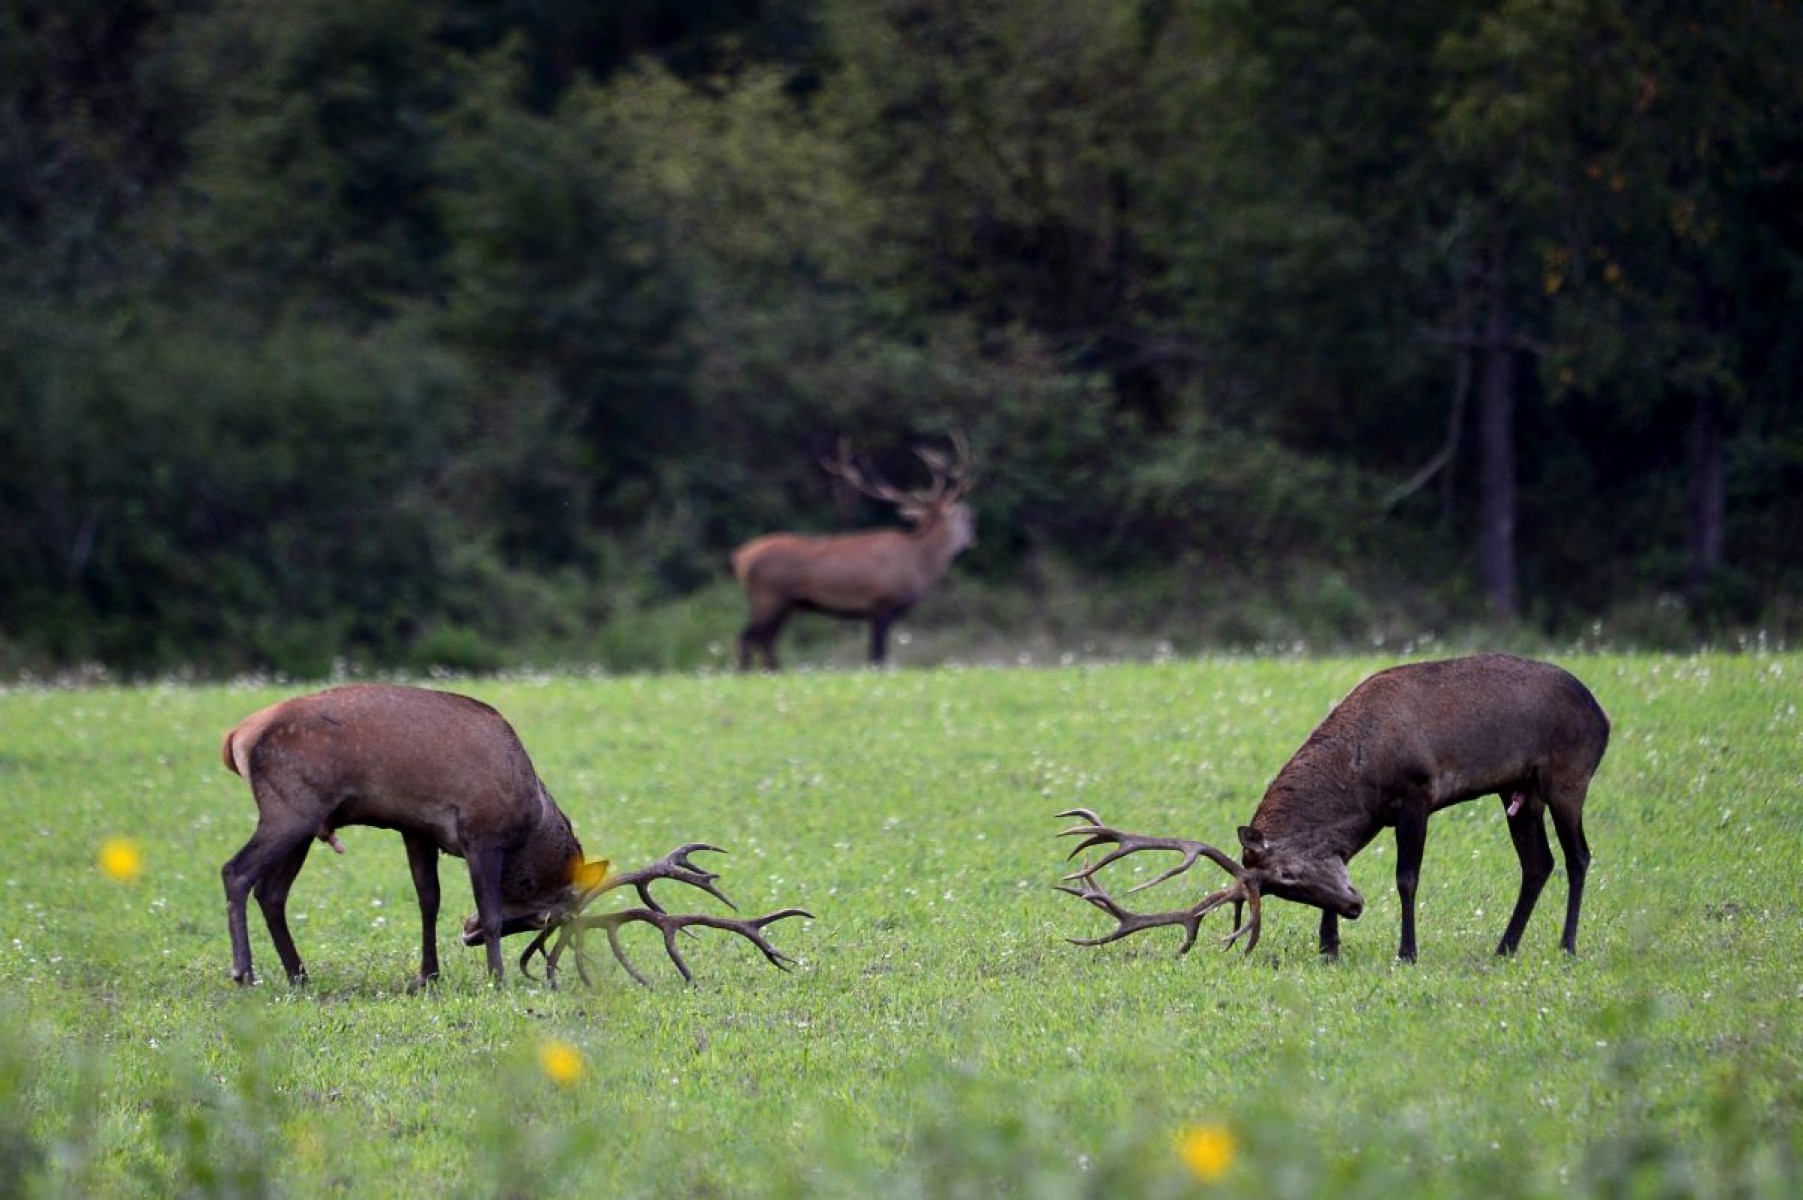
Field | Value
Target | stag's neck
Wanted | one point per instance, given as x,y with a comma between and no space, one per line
1319,799
548,859
936,544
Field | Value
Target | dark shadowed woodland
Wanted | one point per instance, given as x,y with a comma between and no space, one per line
466,334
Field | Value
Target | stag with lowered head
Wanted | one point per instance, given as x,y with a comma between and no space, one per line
447,773
1405,743
875,575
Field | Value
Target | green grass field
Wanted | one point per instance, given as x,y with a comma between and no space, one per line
939,1037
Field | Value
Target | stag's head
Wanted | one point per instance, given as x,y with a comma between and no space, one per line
532,901
1288,869
547,885
1296,871
940,503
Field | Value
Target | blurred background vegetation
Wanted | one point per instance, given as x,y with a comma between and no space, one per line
465,334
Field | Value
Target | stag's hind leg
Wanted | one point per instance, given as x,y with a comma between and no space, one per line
269,847
1567,805
759,636
1527,829
879,634
272,897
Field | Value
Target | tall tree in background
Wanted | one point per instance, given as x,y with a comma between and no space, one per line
570,300
1506,139
314,156
1007,141
1677,233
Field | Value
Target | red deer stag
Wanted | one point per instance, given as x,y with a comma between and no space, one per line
1404,744
873,576
448,773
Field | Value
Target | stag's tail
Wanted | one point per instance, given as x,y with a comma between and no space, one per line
746,558
241,738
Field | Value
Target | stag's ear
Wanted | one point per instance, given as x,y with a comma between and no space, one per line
591,874
1253,842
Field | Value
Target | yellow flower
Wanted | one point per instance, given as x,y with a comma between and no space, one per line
1207,1150
121,860
561,1062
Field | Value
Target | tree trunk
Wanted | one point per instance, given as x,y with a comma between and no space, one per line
1496,447
1707,508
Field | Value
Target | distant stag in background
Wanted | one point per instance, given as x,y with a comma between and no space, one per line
1404,744
447,773
873,576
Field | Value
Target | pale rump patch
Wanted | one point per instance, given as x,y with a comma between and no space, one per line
1515,802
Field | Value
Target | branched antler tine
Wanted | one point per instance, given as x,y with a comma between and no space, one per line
1131,922
936,464
1241,896
675,865
680,856
1188,919
1250,928
960,448
675,957
844,468
580,953
537,946
567,936
1131,843
697,876
777,958
1105,902
1093,832
703,881
1100,839
751,929
670,924
613,941
1190,855
948,471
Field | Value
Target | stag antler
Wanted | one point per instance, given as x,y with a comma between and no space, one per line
949,476
949,482
569,928
843,467
1243,892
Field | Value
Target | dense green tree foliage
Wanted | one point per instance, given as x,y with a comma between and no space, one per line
434,332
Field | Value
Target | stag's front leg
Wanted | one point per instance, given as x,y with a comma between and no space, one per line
1330,933
1411,842
485,865
422,860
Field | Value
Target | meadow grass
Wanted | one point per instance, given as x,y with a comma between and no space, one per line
939,1037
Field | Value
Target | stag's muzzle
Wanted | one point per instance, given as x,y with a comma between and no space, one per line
472,926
